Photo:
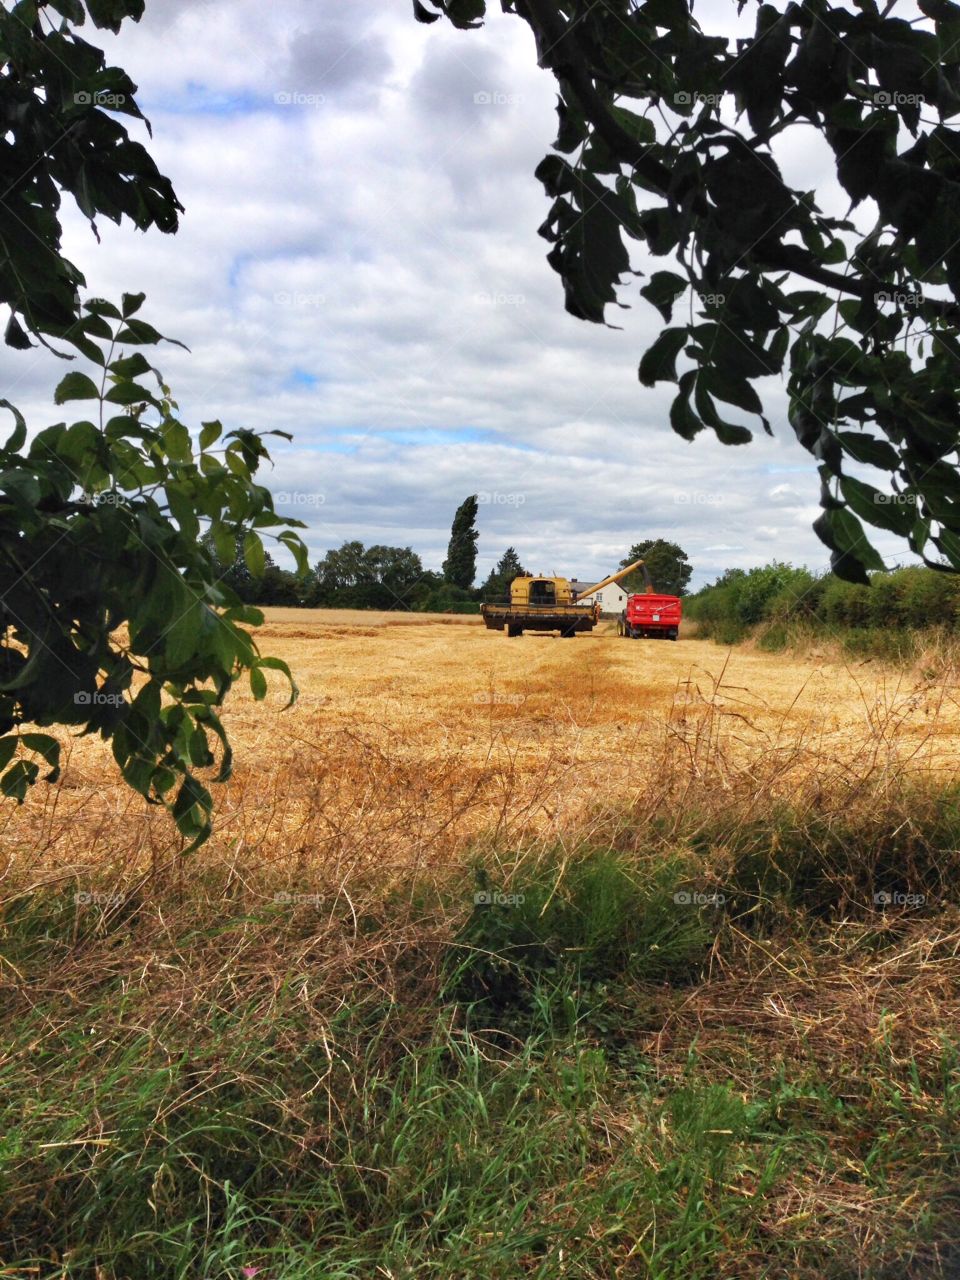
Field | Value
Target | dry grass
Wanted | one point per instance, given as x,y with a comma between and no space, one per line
412,739
422,747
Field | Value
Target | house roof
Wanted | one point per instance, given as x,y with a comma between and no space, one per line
586,587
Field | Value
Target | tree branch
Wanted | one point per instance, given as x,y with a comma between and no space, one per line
559,51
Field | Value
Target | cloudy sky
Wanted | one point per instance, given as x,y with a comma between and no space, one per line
359,265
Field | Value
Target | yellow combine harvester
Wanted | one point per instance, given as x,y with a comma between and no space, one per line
548,604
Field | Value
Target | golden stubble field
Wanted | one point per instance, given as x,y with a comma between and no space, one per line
418,737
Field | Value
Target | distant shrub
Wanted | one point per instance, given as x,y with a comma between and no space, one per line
449,599
784,604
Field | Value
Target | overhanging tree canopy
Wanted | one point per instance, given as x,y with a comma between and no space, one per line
862,318
114,618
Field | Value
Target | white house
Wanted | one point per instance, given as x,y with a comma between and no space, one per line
612,597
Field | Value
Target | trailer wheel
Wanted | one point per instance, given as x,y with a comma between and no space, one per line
619,626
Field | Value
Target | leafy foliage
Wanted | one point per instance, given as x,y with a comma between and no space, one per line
274,586
905,600
378,577
58,102
666,563
112,615
460,566
870,345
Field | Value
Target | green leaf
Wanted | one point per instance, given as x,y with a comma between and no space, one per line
191,812
101,307
277,664
895,512
659,362
639,127
8,749
48,748
21,486
131,366
732,389
211,720
843,533
727,432
16,336
867,449
423,14
183,637
16,440
76,386
253,554
17,779
258,684
131,303
682,418
663,290
210,432
949,544
128,393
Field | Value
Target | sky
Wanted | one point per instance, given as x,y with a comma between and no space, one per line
358,264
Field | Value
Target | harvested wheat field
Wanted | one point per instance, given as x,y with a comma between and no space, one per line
414,734
507,958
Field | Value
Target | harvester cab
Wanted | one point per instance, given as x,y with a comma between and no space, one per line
537,591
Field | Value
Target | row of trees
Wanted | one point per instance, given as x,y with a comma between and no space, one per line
780,595
383,577
357,577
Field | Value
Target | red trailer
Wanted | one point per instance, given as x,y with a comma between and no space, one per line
650,615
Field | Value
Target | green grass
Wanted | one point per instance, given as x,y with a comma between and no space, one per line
592,1077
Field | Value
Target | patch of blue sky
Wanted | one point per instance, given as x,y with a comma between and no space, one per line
201,99
446,436
301,378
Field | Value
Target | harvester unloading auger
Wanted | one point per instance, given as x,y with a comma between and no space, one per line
550,604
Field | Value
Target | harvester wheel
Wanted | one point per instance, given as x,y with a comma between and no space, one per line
514,631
